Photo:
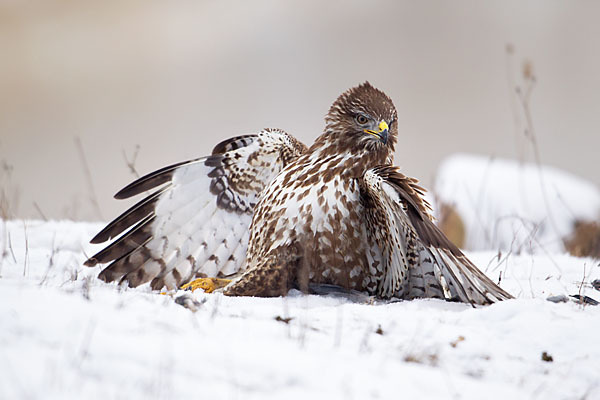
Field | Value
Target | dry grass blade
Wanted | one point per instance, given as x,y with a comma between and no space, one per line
131,163
86,169
39,210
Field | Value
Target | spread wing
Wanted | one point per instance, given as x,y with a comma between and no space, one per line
196,221
418,259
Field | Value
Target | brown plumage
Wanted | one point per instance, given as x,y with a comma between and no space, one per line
280,216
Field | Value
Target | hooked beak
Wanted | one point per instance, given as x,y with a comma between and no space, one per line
381,133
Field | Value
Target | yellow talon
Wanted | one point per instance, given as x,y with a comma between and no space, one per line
209,285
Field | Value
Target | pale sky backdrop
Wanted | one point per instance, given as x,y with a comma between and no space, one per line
177,77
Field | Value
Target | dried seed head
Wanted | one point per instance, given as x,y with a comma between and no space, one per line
527,70
510,48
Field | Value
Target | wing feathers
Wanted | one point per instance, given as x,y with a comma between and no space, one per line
150,181
136,213
233,143
136,237
439,268
122,265
197,224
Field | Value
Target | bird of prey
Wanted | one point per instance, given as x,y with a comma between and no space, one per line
272,214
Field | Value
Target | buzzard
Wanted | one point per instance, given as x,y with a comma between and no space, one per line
272,214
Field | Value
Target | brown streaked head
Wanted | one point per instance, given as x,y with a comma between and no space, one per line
366,116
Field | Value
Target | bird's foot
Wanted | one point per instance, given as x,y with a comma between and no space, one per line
209,285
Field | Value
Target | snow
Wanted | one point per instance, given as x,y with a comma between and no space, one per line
65,334
514,206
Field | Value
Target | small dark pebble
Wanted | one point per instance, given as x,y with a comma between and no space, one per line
559,298
284,320
547,357
596,284
187,301
379,331
585,300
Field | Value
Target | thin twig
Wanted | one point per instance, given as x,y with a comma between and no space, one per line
547,253
524,222
39,210
50,261
92,197
478,203
6,211
84,347
131,164
581,291
10,247
510,50
582,282
303,323
524,97
26,261
286,315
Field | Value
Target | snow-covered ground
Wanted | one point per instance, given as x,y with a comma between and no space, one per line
515,206
66,334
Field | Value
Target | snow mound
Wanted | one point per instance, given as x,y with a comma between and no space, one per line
67,335
510,206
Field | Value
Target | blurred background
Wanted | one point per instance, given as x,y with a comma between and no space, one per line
92,92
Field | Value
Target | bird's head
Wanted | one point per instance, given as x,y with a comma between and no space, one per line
363,119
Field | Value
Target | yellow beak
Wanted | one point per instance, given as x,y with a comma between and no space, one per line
382,133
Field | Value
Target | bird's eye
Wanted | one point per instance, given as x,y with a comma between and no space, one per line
361,119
